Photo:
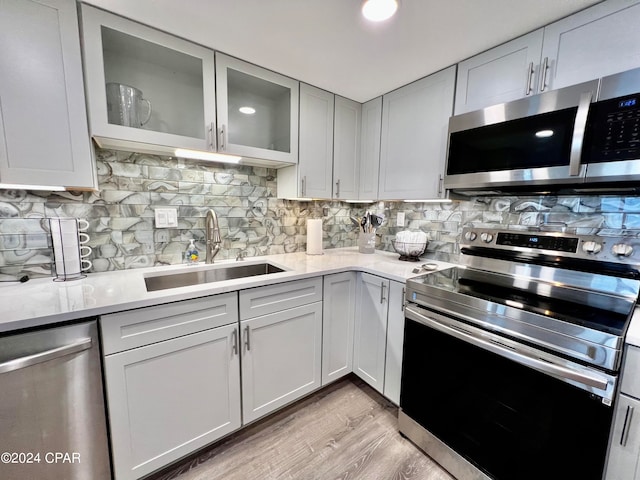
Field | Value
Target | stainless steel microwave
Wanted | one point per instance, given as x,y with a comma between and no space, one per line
581,137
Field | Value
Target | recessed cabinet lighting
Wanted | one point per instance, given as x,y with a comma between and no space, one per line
209,156
379,10
247,110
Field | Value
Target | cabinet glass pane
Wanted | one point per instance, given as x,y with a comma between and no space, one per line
152,87
269,125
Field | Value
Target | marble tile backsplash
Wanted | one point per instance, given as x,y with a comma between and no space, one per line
123,234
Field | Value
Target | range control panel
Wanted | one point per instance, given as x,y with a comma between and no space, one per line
624,250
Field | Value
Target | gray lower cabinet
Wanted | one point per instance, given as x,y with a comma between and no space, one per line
369,348
624,450
168,398
379,334
624,445
338,316
182,375
281,330
395,342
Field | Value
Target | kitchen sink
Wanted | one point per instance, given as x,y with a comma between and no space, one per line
213,274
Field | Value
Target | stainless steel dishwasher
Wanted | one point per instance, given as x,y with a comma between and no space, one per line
52,416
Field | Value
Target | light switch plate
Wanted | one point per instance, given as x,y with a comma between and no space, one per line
400,219
166,217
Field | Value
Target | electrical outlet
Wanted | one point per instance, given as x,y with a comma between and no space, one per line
400,219
166,217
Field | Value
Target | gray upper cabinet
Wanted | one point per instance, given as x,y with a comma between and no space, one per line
43,123
413,145
370,149
257,111
504,73
598,41
346,148
147,91
312,176
595,42
329,157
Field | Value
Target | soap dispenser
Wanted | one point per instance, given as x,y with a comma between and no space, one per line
191,255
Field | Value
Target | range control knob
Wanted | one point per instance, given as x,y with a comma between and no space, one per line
486,237
470,236
622,249
591,247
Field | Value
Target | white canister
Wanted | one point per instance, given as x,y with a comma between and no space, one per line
314,236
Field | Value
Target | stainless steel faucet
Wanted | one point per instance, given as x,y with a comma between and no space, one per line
213,235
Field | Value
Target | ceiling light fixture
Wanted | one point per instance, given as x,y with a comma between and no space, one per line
247,110
379,10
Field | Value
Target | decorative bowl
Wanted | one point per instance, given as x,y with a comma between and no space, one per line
409,252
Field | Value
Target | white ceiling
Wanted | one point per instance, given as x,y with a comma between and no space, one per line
326,42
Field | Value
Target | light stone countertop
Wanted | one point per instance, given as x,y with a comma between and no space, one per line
40,302
633,332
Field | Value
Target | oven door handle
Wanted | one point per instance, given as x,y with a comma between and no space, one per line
500,346
579,127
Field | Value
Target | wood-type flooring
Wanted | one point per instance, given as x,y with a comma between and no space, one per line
345,431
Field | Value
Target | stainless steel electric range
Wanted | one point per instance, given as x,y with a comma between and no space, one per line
511,360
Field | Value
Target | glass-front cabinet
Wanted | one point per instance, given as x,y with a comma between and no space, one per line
147,90
257,111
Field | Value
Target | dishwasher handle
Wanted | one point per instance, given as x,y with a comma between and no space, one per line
29,360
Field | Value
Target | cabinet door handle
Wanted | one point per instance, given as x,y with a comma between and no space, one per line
543,74
528,88
440,185
222,138
626,427
234,341
382,288
247,341
212,137
304,186
338,189
402,303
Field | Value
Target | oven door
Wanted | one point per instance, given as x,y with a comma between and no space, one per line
505,410
532,141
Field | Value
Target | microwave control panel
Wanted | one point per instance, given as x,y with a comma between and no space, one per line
613,130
